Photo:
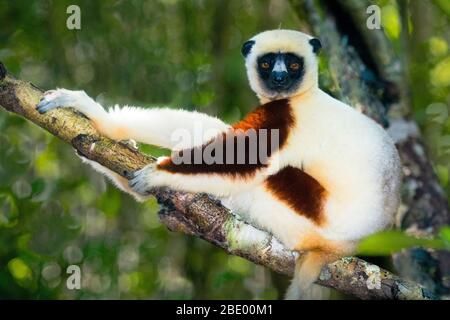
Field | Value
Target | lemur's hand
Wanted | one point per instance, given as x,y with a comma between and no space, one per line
58,98
144,180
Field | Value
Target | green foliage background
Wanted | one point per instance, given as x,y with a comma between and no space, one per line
55,212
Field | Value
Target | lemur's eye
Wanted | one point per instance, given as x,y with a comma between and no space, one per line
265,65
294,66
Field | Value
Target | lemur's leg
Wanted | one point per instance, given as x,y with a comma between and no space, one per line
199,170
216,183
167,128
232,162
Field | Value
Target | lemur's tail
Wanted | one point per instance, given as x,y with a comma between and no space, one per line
119,181
307,270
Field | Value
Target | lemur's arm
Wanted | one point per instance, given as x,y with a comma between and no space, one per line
216,179
168,128
164,127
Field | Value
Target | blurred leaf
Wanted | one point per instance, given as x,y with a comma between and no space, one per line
38,186
444,5
225,277
391,21
443,174
8,210
440,74
22,189
388,242
110,202
52,229
438,112
444,233
438,46
239,265
19,270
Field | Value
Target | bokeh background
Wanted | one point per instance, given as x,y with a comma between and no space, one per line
55,212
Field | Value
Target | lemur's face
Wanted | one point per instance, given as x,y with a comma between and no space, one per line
281,63
280,72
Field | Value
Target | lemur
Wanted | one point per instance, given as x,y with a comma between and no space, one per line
332,179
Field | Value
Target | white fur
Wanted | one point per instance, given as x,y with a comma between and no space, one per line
157,125
279,66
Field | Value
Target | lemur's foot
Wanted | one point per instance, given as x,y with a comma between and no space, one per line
143,181
57,98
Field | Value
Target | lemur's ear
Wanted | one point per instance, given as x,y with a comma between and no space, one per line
246,47
315,43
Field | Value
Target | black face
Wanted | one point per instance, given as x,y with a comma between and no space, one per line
281,71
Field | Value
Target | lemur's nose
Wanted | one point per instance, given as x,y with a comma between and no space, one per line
279,77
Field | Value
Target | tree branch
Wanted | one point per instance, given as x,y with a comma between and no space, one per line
198,214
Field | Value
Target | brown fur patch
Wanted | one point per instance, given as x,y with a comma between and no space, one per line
275,115
299,191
